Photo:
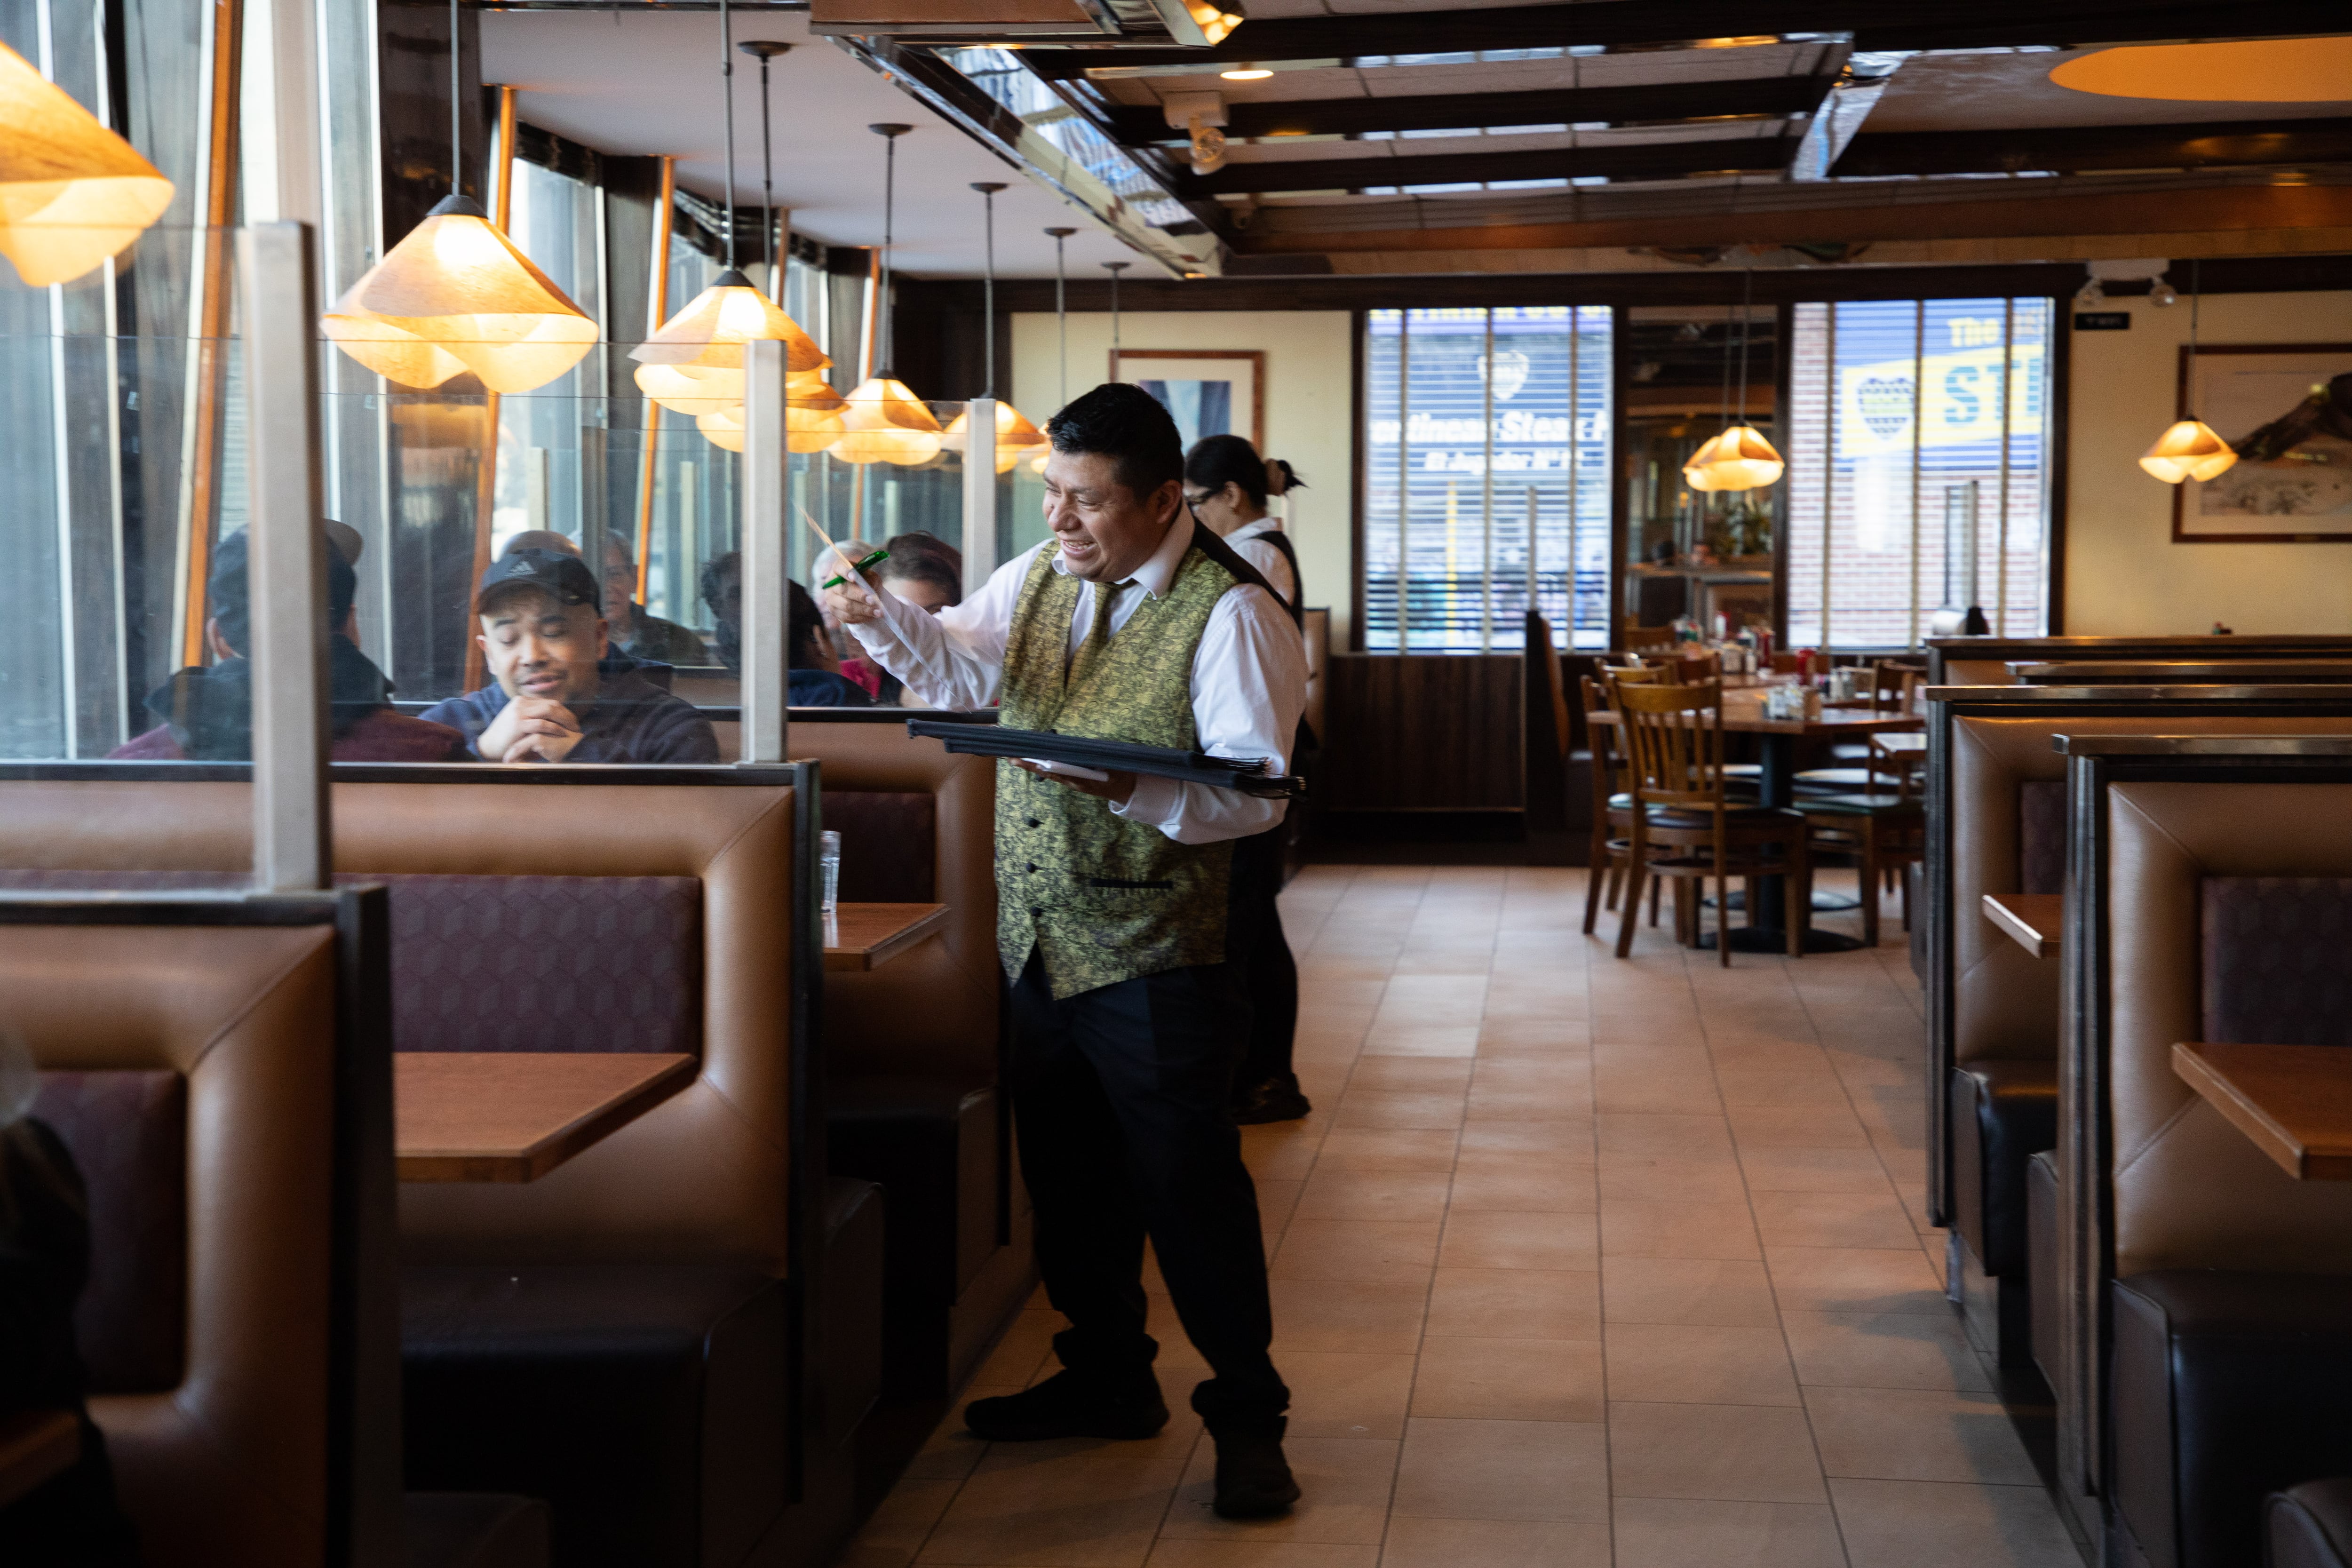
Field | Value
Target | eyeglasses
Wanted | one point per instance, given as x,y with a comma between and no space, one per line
1194,498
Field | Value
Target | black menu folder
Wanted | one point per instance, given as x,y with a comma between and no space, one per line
1249,775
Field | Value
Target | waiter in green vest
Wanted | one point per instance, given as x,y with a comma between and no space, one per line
1131,621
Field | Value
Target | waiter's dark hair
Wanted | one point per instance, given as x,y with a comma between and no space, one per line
1121,421
1216,461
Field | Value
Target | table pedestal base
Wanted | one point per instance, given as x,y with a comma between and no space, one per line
1765,938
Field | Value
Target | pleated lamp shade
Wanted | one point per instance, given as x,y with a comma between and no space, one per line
455,295
1015,435
694,365
72,192
812,417
2188,450
1738,459
885,423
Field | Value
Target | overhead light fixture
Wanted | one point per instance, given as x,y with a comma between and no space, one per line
1245,71
2250,70
2190,448
2091,295
1014,434
813,417
1216,26
1740,458
885,422
693,364
455,295
72,192
2161,293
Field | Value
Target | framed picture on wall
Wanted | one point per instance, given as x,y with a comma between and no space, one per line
1211,392
2287,408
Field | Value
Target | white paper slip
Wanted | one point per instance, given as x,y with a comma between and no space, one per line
1072,769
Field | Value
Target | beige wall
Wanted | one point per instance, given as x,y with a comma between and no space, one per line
1309,416
2124,573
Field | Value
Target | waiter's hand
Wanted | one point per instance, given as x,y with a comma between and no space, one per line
851,604
1114,789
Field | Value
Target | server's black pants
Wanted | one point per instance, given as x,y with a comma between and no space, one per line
1254,940
1120,1096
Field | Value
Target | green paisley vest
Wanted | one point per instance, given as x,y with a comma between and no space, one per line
1102,899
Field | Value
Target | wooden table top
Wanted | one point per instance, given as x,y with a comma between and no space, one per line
2294,1102
1744,712
868,936
35,1446
514,1116
2033,921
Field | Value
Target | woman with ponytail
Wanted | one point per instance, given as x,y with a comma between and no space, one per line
1227,484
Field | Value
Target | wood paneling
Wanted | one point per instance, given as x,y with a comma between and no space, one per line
1424,732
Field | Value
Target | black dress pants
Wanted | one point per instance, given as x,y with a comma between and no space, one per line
1120,1097
1254,940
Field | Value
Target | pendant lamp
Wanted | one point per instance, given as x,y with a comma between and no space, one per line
812,419
886,421
455,295
693,364
1014,434
1740,458
72,192
2190,448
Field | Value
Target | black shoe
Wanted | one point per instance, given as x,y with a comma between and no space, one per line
1253,1480
1065,1405
1270,1100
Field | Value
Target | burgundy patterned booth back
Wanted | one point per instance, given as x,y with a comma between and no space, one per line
889,844
522,963
545,963
128,1131
2042,837
2274,960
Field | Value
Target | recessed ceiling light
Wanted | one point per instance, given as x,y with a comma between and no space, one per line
1246,73
2253,70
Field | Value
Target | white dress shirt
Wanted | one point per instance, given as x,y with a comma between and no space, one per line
1249,677
1250,543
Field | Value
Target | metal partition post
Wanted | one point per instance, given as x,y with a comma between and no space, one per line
979,494
285,566
767,596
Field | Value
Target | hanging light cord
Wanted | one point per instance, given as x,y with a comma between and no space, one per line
767,184
2196,304
1747,292
456,106
988,289
1062,321
727,74
889,210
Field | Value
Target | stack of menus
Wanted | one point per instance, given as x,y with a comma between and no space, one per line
1076,752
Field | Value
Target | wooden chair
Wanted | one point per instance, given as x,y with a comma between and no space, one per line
1609,818
1884,827
1673,743
1856,770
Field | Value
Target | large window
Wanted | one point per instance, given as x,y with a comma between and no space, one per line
1919,454
1486,477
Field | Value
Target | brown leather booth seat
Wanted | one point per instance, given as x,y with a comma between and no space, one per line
1985,661
2309,1526
541,915
912,1049
2225,904
2000,794
210,1051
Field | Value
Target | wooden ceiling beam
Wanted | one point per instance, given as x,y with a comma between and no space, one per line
2281,143
1872,24
1646,161
1139,124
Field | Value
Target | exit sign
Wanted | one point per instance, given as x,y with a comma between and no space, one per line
2103,321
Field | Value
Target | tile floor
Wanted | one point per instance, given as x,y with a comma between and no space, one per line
1578,1263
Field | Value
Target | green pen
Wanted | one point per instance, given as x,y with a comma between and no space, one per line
836,581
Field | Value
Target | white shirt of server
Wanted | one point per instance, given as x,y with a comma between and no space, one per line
1249,677
1249,542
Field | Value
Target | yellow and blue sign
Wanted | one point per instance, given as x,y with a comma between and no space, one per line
1961,405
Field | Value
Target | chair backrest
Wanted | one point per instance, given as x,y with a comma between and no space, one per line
1890,685
1547,682
192,1072
1637,637
1673,740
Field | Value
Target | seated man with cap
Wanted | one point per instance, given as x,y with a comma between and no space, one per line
561,693
206,711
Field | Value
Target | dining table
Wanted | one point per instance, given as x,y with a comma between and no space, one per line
2295,1102
2033,921
868,936
1744,713
514,1116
